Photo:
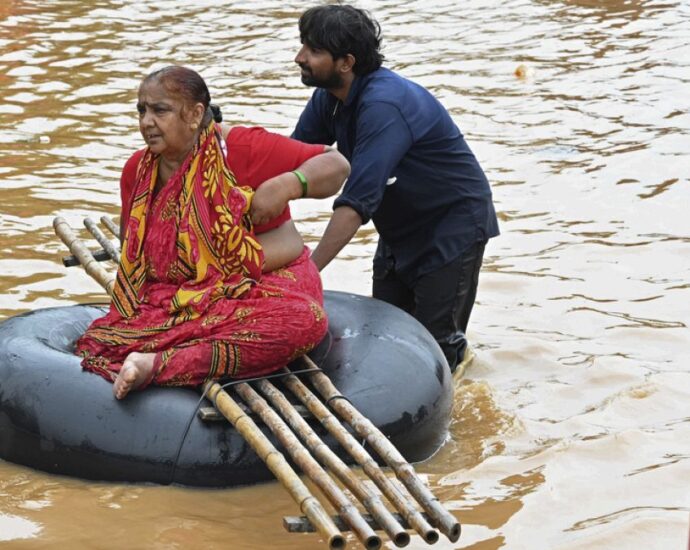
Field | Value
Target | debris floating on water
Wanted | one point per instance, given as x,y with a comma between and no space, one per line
524,71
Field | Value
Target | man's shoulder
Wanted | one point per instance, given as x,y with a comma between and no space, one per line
381,81
387,76
321,97
387,86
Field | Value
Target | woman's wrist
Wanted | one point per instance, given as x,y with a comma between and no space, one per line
303,183
293,185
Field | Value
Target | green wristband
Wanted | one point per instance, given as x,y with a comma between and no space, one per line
303,181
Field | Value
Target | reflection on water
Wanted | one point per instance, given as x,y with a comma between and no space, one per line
571,427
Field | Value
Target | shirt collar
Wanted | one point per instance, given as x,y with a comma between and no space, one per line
356,87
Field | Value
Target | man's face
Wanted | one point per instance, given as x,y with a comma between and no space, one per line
318,67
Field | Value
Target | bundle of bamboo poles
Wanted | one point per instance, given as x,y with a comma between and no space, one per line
415,505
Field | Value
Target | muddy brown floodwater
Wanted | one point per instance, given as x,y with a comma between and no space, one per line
571,430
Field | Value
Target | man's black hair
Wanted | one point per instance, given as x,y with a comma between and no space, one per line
340,30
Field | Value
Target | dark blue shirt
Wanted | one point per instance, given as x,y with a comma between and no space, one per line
438,200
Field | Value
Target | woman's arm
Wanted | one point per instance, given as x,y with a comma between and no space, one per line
324,173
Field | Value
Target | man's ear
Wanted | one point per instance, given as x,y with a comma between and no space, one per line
347,63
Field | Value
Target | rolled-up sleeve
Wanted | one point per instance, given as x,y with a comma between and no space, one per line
382,139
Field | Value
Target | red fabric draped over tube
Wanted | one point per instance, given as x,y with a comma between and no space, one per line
228,323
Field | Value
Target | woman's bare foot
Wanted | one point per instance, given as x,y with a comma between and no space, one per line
136,368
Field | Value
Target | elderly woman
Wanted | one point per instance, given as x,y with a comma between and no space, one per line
214,280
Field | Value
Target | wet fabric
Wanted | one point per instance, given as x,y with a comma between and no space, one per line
233,321
254,155
441,300
215,251
413,173
276,321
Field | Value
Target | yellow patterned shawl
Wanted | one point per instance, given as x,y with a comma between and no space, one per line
215,243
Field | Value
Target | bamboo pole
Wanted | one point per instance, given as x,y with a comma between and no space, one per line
227,406
111,225
400,501
443,519
83,254
370,500
276,462
98,255
447,523
102,239
310,467
300,524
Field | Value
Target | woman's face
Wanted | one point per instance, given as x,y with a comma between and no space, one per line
164,123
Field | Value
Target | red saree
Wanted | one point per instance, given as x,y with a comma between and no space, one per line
189,285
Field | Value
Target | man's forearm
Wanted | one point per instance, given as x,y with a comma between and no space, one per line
341,228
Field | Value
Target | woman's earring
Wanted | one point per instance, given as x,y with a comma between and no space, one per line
194,125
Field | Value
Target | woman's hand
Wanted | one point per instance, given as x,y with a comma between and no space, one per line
272,196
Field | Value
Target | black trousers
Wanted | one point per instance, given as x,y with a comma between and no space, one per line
441,300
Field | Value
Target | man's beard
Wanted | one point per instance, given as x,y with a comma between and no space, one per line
333,81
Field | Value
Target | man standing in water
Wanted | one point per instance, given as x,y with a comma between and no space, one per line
412,174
